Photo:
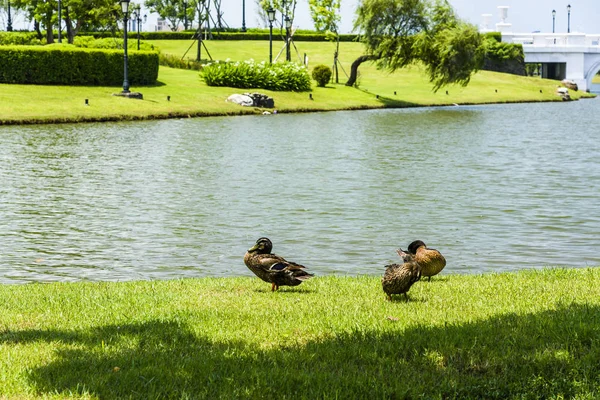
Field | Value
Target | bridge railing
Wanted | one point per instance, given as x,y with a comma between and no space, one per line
553,39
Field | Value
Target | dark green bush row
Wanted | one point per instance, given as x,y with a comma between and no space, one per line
67,65
250,35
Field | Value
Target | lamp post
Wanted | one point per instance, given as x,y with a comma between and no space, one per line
125,9
243,15
137,16
185,21
271,16
9,21
288,25
553,19
59,22
568,18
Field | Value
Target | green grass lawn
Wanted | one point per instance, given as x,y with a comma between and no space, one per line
531,334
191,97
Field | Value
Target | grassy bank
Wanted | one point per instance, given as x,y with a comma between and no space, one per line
191,97
532,334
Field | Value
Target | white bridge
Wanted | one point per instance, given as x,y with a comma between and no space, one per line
573,56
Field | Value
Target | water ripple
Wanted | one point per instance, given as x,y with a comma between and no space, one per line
496,188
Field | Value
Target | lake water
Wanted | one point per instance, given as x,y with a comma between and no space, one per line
495,188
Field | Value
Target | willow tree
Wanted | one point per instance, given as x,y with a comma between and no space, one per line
398,33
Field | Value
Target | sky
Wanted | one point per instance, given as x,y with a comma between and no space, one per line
524,15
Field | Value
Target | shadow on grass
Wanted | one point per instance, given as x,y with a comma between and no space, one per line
391,102
545,355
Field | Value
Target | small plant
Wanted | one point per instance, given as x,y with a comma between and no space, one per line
322,74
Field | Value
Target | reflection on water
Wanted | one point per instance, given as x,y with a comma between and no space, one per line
495,188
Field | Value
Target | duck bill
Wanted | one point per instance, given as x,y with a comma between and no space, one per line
253,248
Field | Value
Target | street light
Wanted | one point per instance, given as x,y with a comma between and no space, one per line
568,18
185,21
59,23
243,15
9,22
125,9
553,19
288,25
271,16
137,16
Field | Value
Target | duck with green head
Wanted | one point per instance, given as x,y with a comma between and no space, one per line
273,268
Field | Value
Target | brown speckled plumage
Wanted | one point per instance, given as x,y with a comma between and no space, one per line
430,260
273,268
398,278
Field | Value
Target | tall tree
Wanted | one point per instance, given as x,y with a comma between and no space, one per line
91,14
402,32
326,18
325,14
173,11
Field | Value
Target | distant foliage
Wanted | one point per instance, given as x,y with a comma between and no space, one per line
252,75
19,38
89,42
169,60
501,51
321,74
495,36
300,35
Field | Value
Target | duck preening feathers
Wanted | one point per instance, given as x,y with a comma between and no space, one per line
273,268
398,278
430,260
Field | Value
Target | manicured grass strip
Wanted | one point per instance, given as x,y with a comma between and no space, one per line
531,334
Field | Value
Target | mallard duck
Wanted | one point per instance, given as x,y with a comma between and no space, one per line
273,268
430,260
398,278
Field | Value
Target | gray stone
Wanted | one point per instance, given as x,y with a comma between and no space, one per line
241,99
569,84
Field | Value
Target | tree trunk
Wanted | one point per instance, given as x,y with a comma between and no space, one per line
356,64
49,31
36,27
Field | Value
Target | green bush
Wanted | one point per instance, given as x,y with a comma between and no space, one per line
501,51
251,75
68,65
495,36
19,38
321,74
169,60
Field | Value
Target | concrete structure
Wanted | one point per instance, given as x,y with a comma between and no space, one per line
573,56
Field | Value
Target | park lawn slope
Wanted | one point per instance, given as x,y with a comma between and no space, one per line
190,97
530,334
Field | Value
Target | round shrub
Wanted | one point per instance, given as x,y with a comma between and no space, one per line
321,74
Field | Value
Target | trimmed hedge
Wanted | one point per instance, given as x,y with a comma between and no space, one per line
68,65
